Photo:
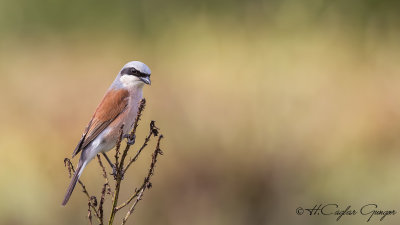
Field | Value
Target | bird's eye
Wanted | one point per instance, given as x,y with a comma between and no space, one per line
134,71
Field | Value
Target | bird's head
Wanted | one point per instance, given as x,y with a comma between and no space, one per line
135,73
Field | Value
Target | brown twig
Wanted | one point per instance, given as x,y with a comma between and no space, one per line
118,145
68,164
142,104
153,131
107,182
120,167
146,183
106,188
89,214
133,206
147,178
102,199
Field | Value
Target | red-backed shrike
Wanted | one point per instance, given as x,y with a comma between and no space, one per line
119,106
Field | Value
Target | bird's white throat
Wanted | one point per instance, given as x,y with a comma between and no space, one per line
129,81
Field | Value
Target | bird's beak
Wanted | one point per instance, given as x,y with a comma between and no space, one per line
146,80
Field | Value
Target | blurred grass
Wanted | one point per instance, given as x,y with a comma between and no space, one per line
266,105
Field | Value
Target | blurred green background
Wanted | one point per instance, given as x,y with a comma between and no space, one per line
266,106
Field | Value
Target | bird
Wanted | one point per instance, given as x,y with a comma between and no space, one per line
118,108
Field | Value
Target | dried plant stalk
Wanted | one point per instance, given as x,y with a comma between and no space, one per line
97,210
146,183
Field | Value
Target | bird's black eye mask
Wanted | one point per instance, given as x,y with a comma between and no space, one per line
134,72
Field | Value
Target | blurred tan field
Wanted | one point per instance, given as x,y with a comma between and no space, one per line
266,106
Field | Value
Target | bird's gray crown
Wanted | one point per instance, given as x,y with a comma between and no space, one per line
136,68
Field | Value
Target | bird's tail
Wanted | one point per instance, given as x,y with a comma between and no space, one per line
74,180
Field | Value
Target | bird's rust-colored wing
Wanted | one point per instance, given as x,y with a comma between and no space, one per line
113,104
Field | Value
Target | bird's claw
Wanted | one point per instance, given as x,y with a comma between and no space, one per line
130,139
122,175
114,173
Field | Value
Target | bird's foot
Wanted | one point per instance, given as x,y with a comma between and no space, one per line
115,173
130,139
122,174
